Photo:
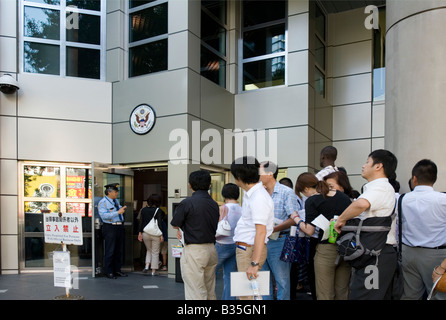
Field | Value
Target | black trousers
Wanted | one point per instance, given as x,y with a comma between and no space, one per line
372,283
113,247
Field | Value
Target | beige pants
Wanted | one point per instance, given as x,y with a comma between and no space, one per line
332,281
244,258
152,244
198,263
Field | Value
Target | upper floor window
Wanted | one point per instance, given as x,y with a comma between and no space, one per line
379,57
63,37
319,51
264,43
213,40
147,36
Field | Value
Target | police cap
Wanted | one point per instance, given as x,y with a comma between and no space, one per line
112,186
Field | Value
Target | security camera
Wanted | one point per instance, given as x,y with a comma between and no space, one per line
8,84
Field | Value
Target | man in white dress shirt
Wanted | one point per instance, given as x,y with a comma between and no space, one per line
377,200
423,232
257,221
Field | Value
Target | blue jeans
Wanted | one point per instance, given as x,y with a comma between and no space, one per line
278,268
226,260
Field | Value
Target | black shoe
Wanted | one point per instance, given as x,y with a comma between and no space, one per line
110,276
121,274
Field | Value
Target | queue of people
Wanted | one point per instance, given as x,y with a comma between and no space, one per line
411,240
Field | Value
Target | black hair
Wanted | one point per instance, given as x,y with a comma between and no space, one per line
330,152
200,180
246,169
387,159
426,171
286,181
270,167
154,200
230,191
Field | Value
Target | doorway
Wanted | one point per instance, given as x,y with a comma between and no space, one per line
147,181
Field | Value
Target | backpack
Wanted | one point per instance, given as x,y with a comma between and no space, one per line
361,240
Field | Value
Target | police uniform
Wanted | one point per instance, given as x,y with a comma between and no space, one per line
113,233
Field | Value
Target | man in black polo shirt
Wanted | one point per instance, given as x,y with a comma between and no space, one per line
197,216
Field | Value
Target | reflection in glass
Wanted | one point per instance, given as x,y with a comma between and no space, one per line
38,254
42,23
34,212
217,8
257,12
320,53
148,23
264,73
89,30
41,182
320,22
85,4
137,3
76,183
264,41
319,82
54,2
213,34
217,183
84,209
41,58
83,63
213,67
148,58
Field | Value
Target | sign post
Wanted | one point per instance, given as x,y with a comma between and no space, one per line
63,229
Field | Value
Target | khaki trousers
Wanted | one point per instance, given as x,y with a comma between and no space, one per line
244,258
332,281
198,263
152,244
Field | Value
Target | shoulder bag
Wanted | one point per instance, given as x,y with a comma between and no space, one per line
152,227
223,227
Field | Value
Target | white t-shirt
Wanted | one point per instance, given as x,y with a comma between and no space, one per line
381,196
326,171
257,208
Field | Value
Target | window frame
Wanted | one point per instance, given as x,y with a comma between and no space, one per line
224,57
284,53
62,43
129,45
323,40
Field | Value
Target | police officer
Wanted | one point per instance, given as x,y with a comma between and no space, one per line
111,213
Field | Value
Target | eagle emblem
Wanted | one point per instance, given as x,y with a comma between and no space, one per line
142,119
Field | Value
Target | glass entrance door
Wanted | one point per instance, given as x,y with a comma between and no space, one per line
104,174
53,188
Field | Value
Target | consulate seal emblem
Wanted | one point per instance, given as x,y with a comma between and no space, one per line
142,119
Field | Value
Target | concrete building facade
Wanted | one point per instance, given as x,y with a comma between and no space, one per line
310,72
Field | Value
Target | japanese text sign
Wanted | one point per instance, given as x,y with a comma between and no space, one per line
66,228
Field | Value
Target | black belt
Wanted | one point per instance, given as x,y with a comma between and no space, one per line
437,248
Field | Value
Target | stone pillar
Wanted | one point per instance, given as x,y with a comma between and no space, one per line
416,85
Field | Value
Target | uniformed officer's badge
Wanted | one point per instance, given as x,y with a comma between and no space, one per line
142,119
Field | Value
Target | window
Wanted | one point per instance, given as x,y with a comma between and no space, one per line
53,188
63,37
379,58
147,37
264,44
213,41
319,51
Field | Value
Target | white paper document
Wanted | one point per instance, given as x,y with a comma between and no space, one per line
323,224
241,286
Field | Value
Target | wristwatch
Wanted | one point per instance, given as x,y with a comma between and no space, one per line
254,264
